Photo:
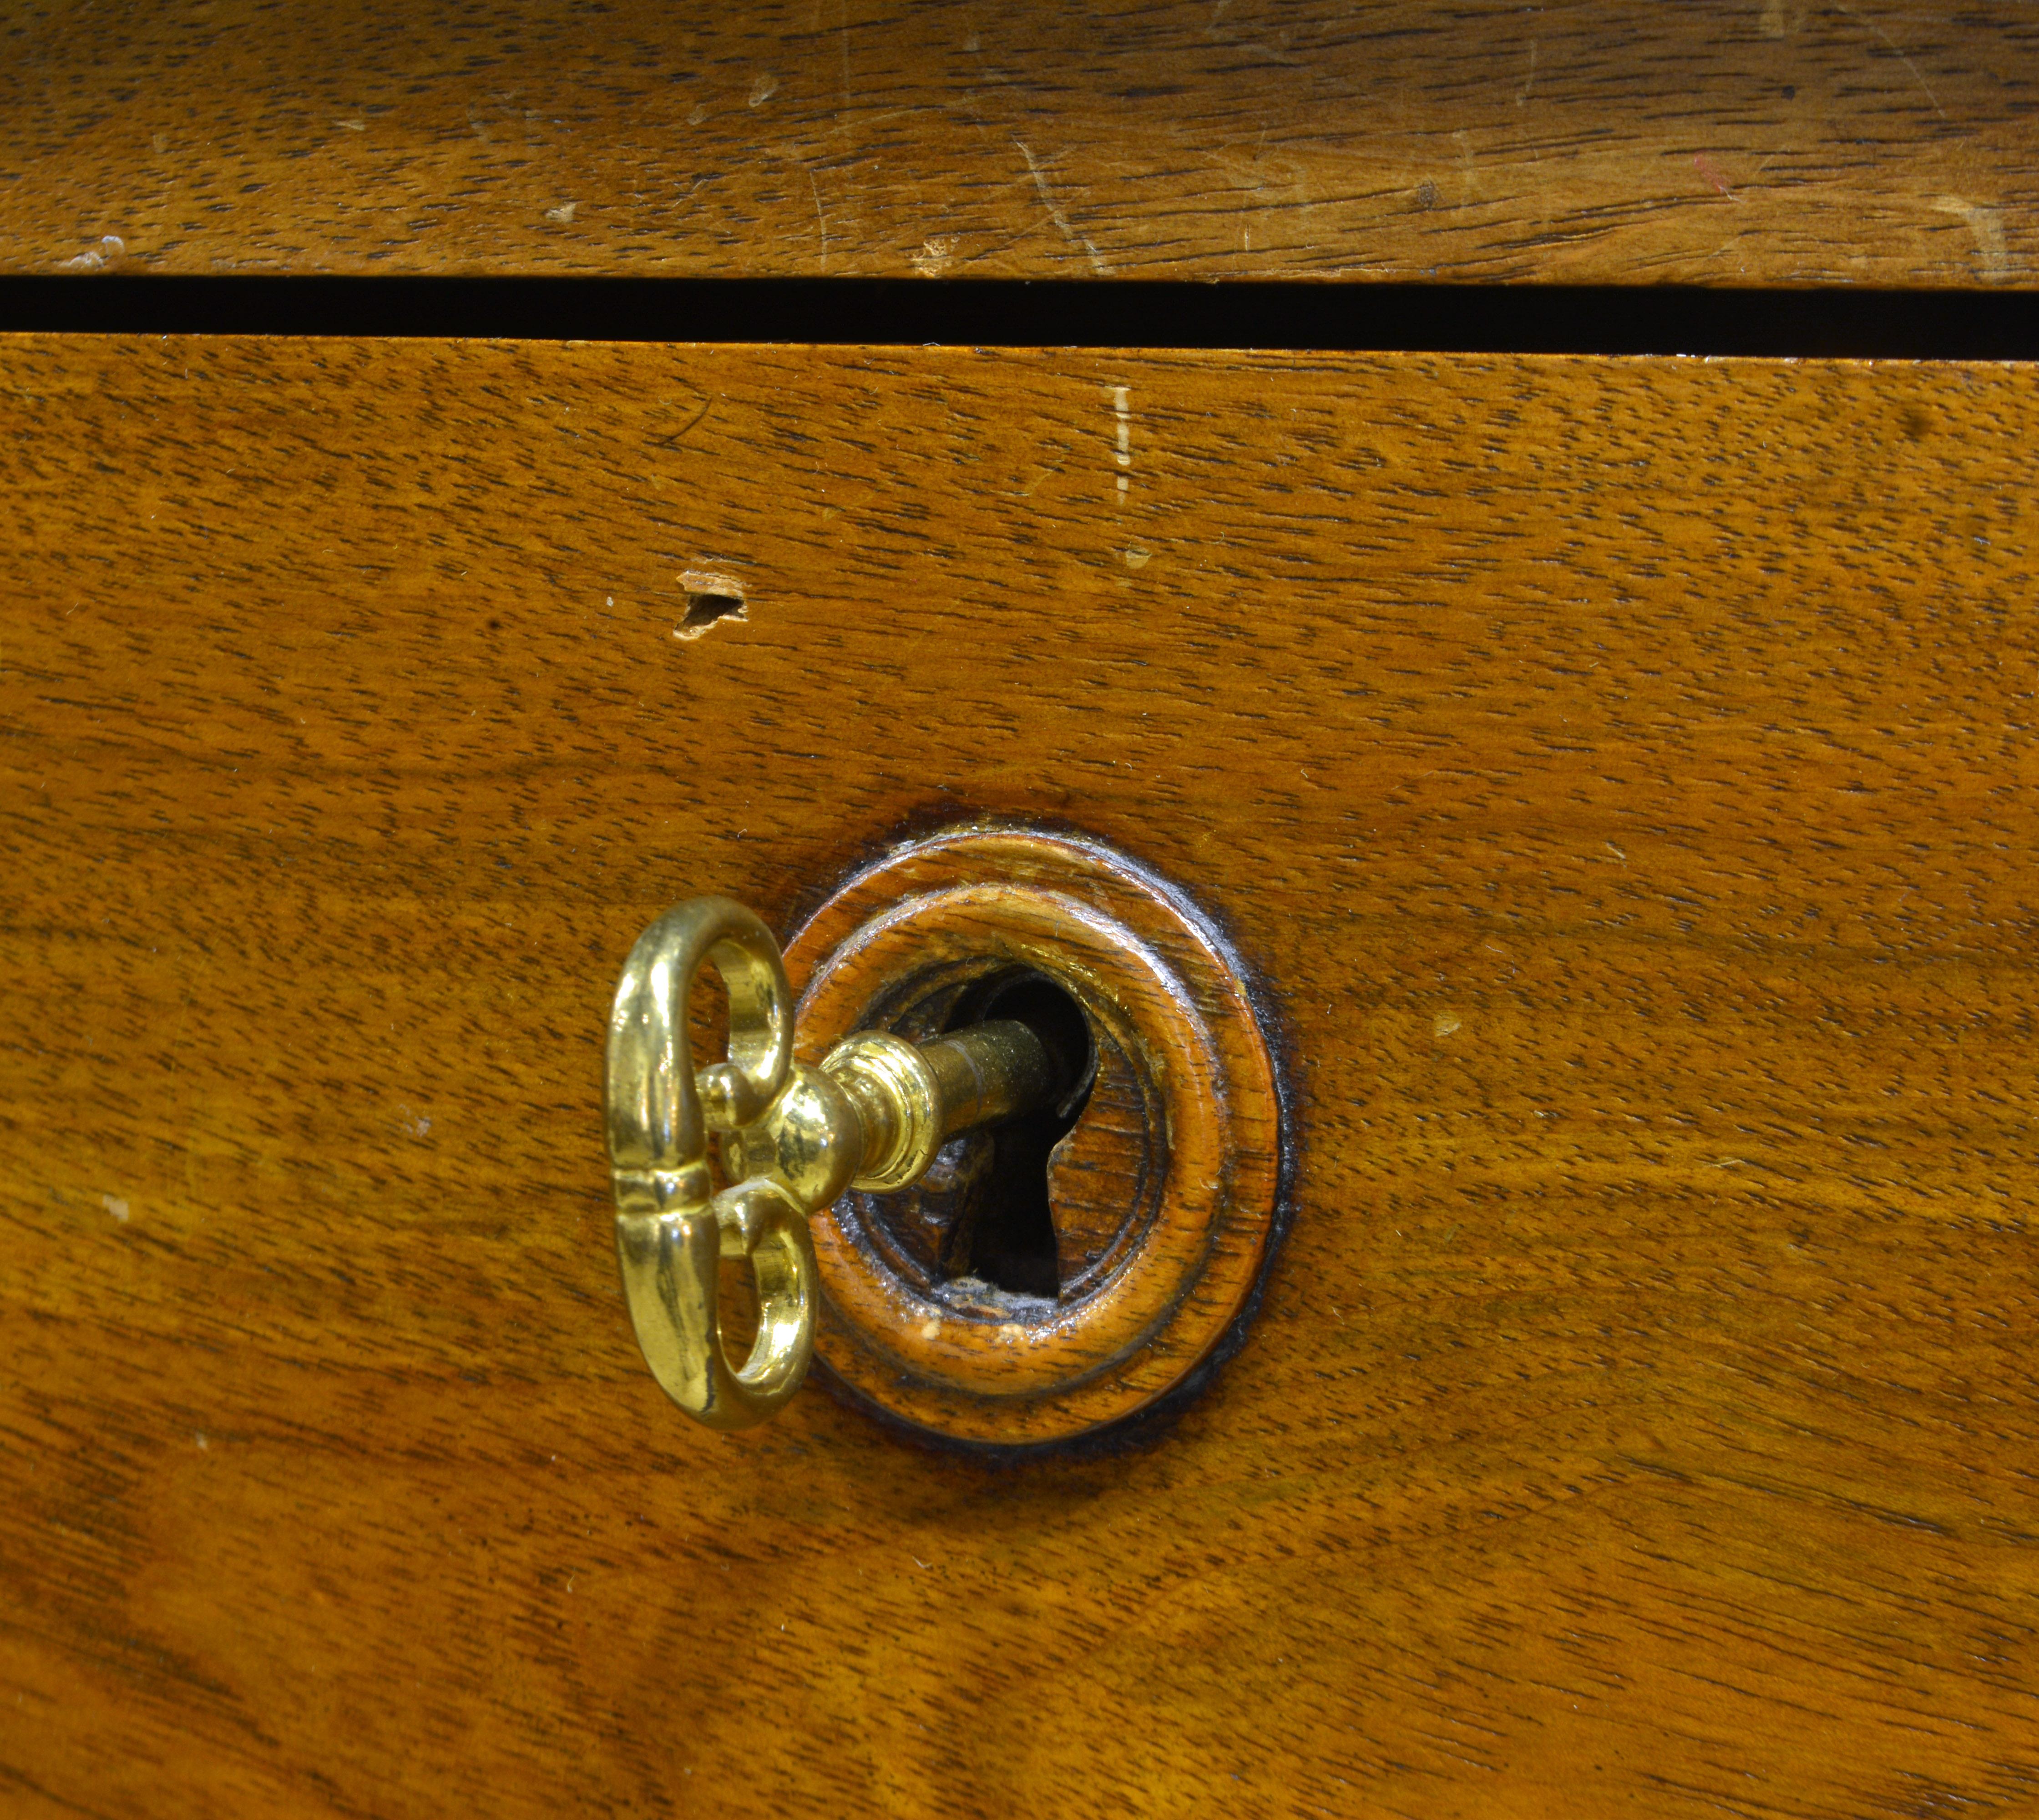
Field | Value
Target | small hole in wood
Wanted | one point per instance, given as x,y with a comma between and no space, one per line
705,610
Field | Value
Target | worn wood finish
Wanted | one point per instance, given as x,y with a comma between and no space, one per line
1621,773
1763,143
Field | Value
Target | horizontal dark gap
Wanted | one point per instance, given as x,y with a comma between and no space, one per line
1964,325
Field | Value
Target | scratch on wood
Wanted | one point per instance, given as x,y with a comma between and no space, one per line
1122,405
1704,166
1097,262
842,33
821,214
1986,223
1468,173
1899,54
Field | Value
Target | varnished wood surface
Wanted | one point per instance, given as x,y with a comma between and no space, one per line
1622,141
1619,773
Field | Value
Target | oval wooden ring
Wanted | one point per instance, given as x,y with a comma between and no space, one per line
1142,963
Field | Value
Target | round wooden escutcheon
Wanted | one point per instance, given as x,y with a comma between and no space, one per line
1045,1282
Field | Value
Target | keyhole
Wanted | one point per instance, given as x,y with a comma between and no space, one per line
1008,1240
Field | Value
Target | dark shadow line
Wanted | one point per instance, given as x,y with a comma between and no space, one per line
1603,320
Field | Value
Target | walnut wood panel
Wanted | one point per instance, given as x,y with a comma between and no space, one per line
1769,142
1620,774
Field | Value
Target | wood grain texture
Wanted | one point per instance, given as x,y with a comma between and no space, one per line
1622,141
1622,774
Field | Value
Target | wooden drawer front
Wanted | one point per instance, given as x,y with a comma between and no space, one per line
1618,774
1597,142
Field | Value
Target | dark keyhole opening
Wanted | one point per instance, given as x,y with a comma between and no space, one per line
1010,1240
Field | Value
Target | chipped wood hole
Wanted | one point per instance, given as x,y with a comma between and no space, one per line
711,599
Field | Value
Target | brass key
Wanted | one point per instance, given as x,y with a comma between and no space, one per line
873,1115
